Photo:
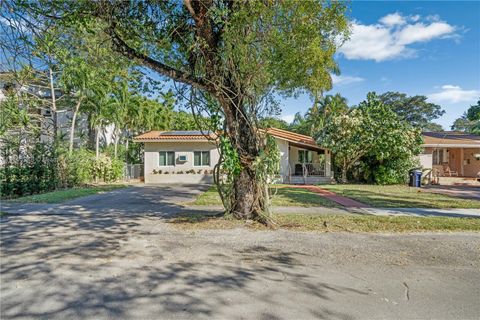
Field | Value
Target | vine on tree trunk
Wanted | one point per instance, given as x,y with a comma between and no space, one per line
265,167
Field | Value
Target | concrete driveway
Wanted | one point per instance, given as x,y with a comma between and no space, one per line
135,200
102,257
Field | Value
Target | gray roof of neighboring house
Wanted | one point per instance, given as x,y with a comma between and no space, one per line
451,139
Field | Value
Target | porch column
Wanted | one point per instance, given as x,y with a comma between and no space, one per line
461,161
328,163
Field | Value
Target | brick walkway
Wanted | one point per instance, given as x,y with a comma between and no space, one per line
341,200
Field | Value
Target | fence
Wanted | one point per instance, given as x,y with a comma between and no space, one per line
133,171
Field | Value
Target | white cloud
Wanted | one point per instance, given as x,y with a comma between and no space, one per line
344,80
393,19
371,42
288,118
454,94
420,32
391,37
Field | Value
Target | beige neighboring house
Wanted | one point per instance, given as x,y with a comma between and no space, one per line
190,156
451,154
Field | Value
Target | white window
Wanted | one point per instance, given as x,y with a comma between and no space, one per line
166,158
201,158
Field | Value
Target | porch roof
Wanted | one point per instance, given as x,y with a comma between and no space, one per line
451,139
296,139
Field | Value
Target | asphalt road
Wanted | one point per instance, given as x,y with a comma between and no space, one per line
100,261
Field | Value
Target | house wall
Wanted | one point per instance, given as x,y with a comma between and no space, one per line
288,155
181,148
456,160
426,158
471,165
284,157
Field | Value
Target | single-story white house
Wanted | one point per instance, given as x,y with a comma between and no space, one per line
451,153
190,156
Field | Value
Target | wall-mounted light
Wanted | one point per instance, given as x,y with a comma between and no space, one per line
476,156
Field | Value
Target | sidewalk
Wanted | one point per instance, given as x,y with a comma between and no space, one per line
423,212
341,200
418,212
62,209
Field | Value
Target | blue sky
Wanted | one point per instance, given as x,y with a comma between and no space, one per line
426,48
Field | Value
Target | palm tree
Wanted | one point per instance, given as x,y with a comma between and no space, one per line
322,109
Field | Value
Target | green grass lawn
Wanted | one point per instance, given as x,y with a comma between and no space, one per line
334,223
399,196
60,196
283,196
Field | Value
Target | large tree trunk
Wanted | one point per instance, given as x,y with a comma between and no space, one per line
243,135
344,172
246,205
344,175
72,129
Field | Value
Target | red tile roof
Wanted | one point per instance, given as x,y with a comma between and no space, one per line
154,136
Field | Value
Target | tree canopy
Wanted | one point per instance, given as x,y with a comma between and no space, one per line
469,121
316,117
373,137
414,109
273,122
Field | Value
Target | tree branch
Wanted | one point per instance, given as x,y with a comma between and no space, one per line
122,47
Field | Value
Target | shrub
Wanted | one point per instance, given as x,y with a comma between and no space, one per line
388,171
86,168
28,169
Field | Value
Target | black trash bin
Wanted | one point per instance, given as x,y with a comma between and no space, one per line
415,178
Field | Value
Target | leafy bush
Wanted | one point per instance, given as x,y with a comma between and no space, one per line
84,168
27,169
384,172
37,168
